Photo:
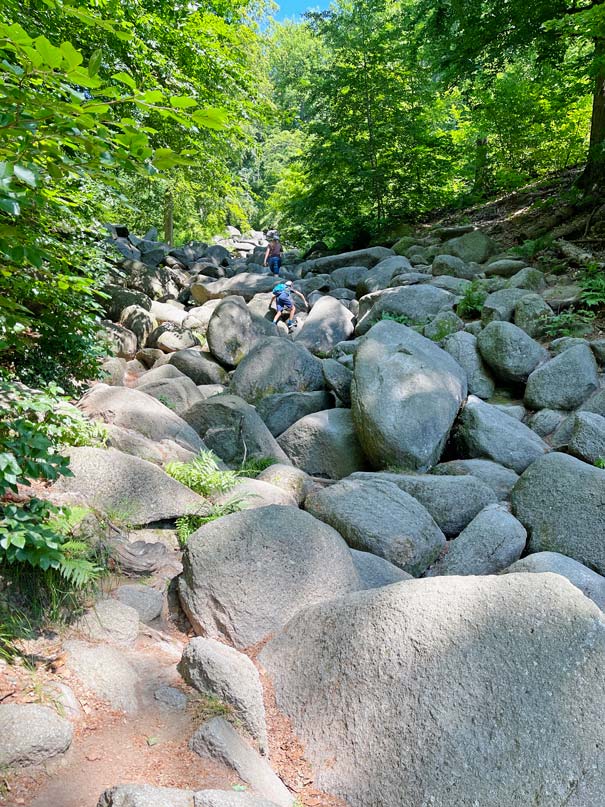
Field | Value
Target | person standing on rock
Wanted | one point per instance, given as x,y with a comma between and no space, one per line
273,255
285,304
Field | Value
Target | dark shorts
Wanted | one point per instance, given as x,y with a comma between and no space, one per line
286,307
274,265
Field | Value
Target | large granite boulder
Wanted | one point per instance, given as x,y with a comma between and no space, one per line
453,501
587,440
276,365
590,583
233,429
473,247
199,366
359,257
233,330
473,690
324,444
500,479
246,574
281,411
401,377
125,488
564,382
492,541
374,515
178,394
559,500
415,305
131,409
328,323
485,432
462,346
509,351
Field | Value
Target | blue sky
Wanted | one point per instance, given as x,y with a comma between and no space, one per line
295,8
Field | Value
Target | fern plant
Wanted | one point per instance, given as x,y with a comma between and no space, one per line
187,525
203,474
472,301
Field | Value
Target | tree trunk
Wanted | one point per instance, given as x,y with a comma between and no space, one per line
593,175
481,166
168,217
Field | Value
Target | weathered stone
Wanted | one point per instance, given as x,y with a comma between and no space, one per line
328,323
401,377
360,257
292,480
505,267
233,429
414,304
444,324
546,421
453,501
199,366
168,312
146,601
120,299
531,314
484,432
492,541
233,330
562,295
530,737
109,621
509,351
169,338
451,265
381,275
587,441
127,489
559,501
252,493
472,247
217,739
374,515
462,346
120,341
280,411
171,698
338,379
564,343
178,394
564,382
130,442
229,798
500,479
106,672
528,278
276,365
500,305
590,583
31,734
248,573
324,444
210,666
145,796
139,321
241,285
375,571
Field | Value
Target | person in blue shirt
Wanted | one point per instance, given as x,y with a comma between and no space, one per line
284,304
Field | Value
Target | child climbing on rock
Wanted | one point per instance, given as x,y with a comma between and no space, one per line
284,304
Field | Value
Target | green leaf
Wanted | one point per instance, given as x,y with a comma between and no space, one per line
182,101
10,206
51,56
25,175
210,118
125,78
151,97
72,56
95,62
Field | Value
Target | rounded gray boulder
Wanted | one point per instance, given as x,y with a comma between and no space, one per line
246,574
509,351
31,734
490,684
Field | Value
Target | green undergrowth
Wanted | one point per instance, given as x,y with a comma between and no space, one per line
45,567
204,475
471,304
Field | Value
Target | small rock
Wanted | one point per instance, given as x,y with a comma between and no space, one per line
110,621
147,601
31,734
218,740
171,698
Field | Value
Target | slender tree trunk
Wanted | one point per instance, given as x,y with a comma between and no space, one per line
593,175
168,217
481,166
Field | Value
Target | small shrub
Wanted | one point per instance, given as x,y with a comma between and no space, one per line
593,287
531,247
255,466
204,706
567,323
472,301
600,462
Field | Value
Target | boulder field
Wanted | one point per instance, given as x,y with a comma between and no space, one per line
416,578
